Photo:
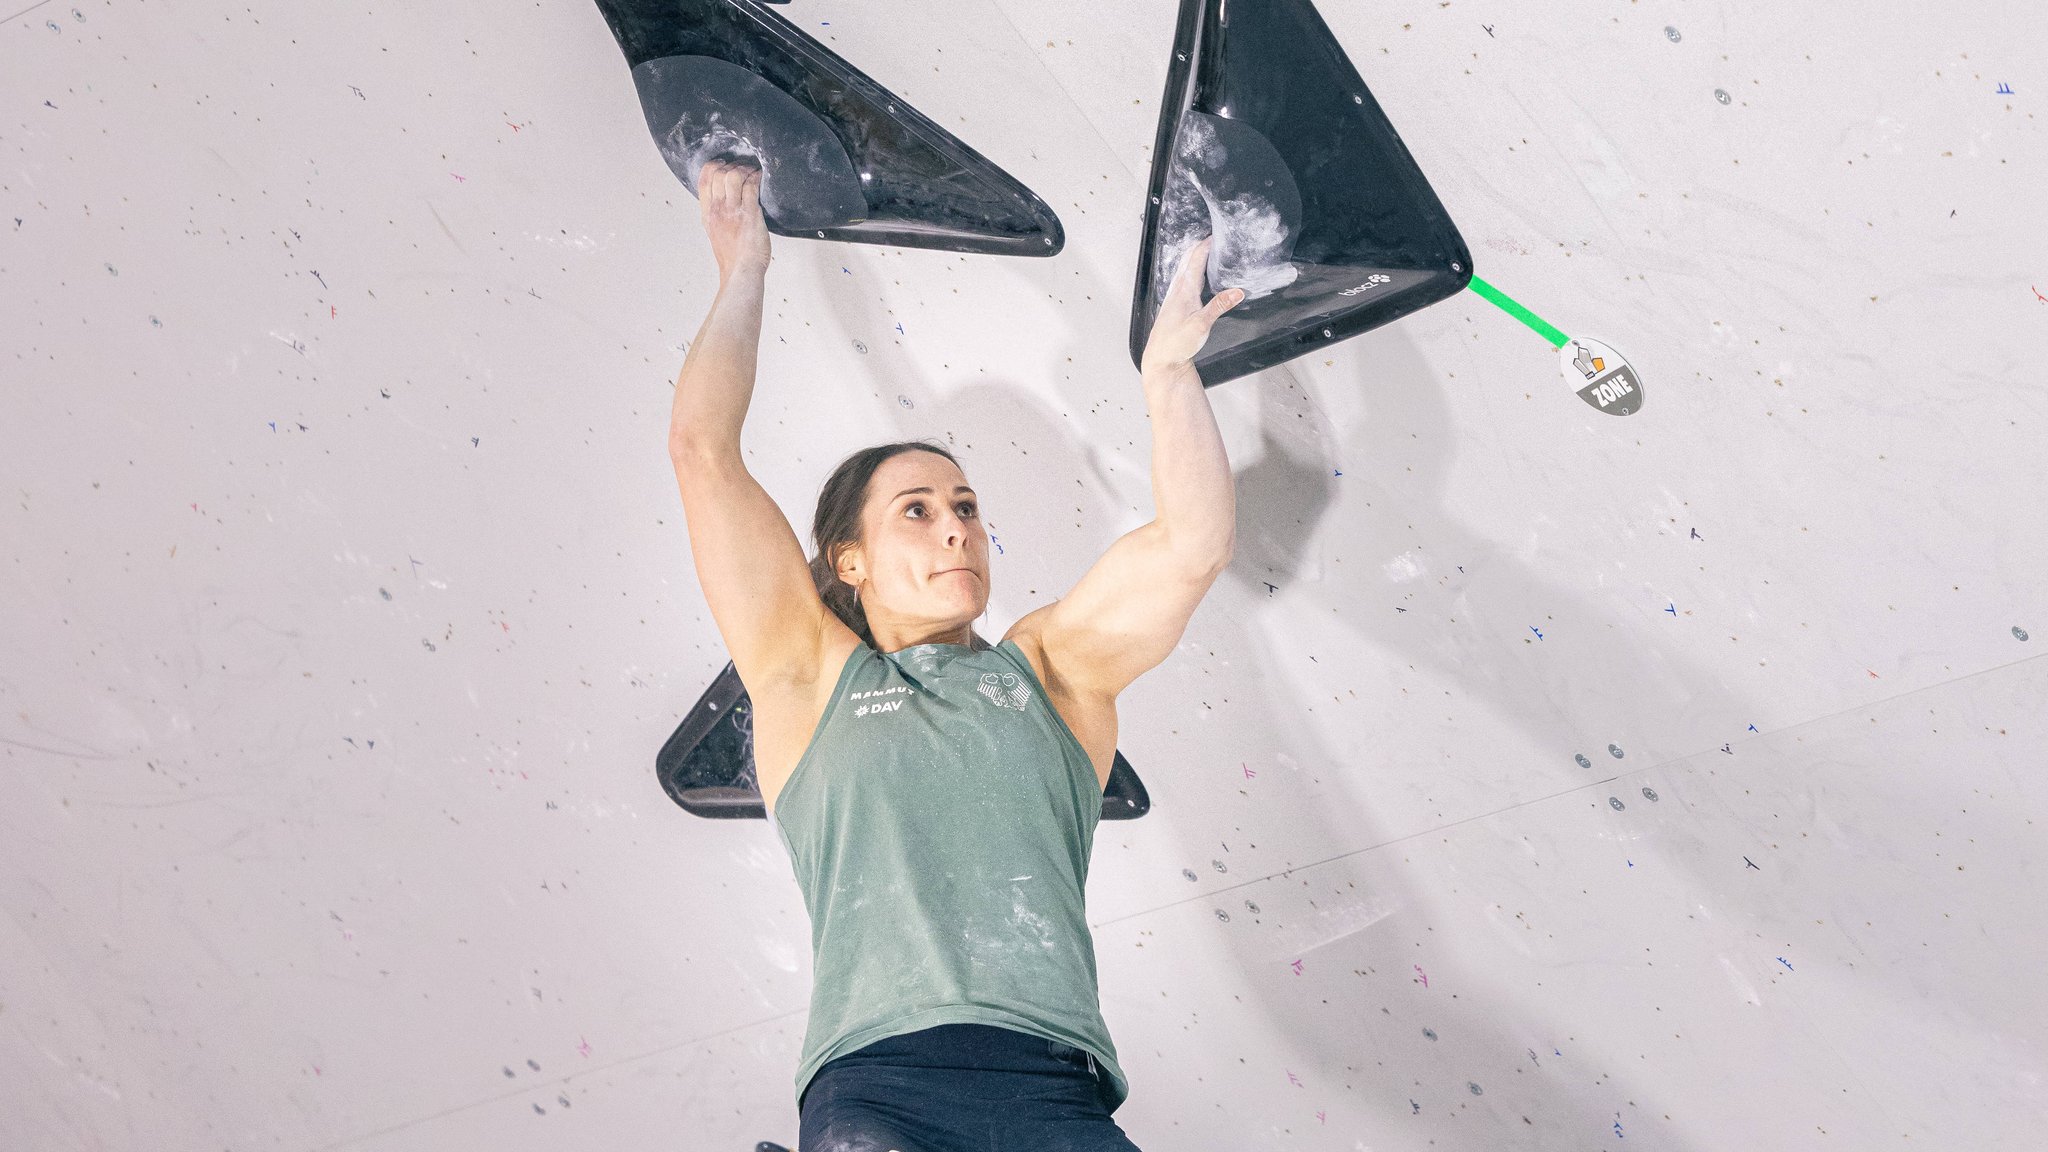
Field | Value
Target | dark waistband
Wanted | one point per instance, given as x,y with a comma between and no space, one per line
973,1047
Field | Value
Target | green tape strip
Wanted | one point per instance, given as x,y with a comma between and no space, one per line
1537,324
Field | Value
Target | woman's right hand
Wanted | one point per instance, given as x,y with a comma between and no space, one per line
729,200
1181,326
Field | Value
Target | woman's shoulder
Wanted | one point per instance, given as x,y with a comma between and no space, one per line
1020,646
836,651
1025,633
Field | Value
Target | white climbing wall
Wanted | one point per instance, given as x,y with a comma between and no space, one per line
1536,778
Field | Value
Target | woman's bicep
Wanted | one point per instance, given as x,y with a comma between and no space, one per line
752,569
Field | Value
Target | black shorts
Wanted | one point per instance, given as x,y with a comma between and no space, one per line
960,1088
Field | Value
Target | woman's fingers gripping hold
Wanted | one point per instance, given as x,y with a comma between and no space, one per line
1182,324
729,200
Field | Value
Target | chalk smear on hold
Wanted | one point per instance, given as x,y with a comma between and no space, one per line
1252,242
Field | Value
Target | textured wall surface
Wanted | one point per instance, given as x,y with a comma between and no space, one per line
1535,778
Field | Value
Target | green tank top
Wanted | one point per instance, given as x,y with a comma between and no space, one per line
940,826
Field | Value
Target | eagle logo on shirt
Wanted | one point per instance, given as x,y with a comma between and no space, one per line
1004,690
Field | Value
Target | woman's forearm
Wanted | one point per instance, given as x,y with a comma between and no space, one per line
717,381
1192,486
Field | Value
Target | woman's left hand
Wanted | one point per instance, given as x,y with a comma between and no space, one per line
1182,325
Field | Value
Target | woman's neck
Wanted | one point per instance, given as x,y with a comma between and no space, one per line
972,641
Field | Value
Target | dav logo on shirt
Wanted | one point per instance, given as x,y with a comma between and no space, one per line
880,706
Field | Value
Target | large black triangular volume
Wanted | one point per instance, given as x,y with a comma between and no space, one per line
841,158
1269,140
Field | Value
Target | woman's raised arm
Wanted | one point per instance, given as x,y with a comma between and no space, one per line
749,562
717,380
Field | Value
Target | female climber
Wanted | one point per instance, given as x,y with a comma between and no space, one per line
938,796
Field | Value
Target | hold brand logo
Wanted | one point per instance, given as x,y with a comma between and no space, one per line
1004,690
1371,282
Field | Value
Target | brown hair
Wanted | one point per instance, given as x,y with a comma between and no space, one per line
836,524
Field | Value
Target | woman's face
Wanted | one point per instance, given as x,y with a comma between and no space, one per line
924,559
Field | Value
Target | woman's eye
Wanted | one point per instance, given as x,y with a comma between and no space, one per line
918,505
